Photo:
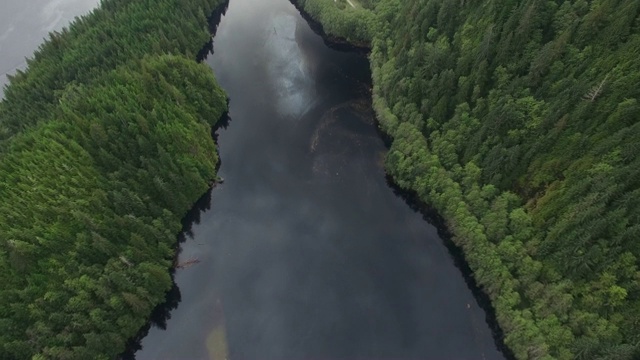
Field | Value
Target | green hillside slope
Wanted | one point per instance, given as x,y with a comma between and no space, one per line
518,121
107,146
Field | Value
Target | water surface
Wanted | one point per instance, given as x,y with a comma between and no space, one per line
306,253
25,24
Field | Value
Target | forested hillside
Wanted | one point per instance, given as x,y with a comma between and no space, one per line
113,34
106,145
341,20
519,122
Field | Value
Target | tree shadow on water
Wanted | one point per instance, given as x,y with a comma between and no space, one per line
161,314
158,318
430,215
214,21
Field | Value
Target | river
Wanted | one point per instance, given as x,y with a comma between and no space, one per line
306,252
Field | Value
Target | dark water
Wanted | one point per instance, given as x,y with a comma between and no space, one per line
306,253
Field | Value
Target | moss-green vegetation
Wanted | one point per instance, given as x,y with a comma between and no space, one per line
519,122
106,146
340,19
111,35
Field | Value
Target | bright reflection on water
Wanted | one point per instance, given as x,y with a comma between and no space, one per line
306,253
287,68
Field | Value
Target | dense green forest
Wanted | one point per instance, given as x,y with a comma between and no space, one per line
113,34
519,122
106,144
341,20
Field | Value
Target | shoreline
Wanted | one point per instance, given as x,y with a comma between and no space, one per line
161,312
332,41
411,198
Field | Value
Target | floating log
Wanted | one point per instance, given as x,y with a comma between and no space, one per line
188,263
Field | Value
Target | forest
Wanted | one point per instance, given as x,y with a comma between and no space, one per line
105,145
518,121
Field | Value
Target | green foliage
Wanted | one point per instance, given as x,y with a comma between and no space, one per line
340,19
106,150
519,122
113,34
537,101
93,200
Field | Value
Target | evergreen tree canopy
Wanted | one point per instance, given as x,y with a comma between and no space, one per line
519,122
106,145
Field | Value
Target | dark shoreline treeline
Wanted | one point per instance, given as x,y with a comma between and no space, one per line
413,199
106,144
519,123
161,313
